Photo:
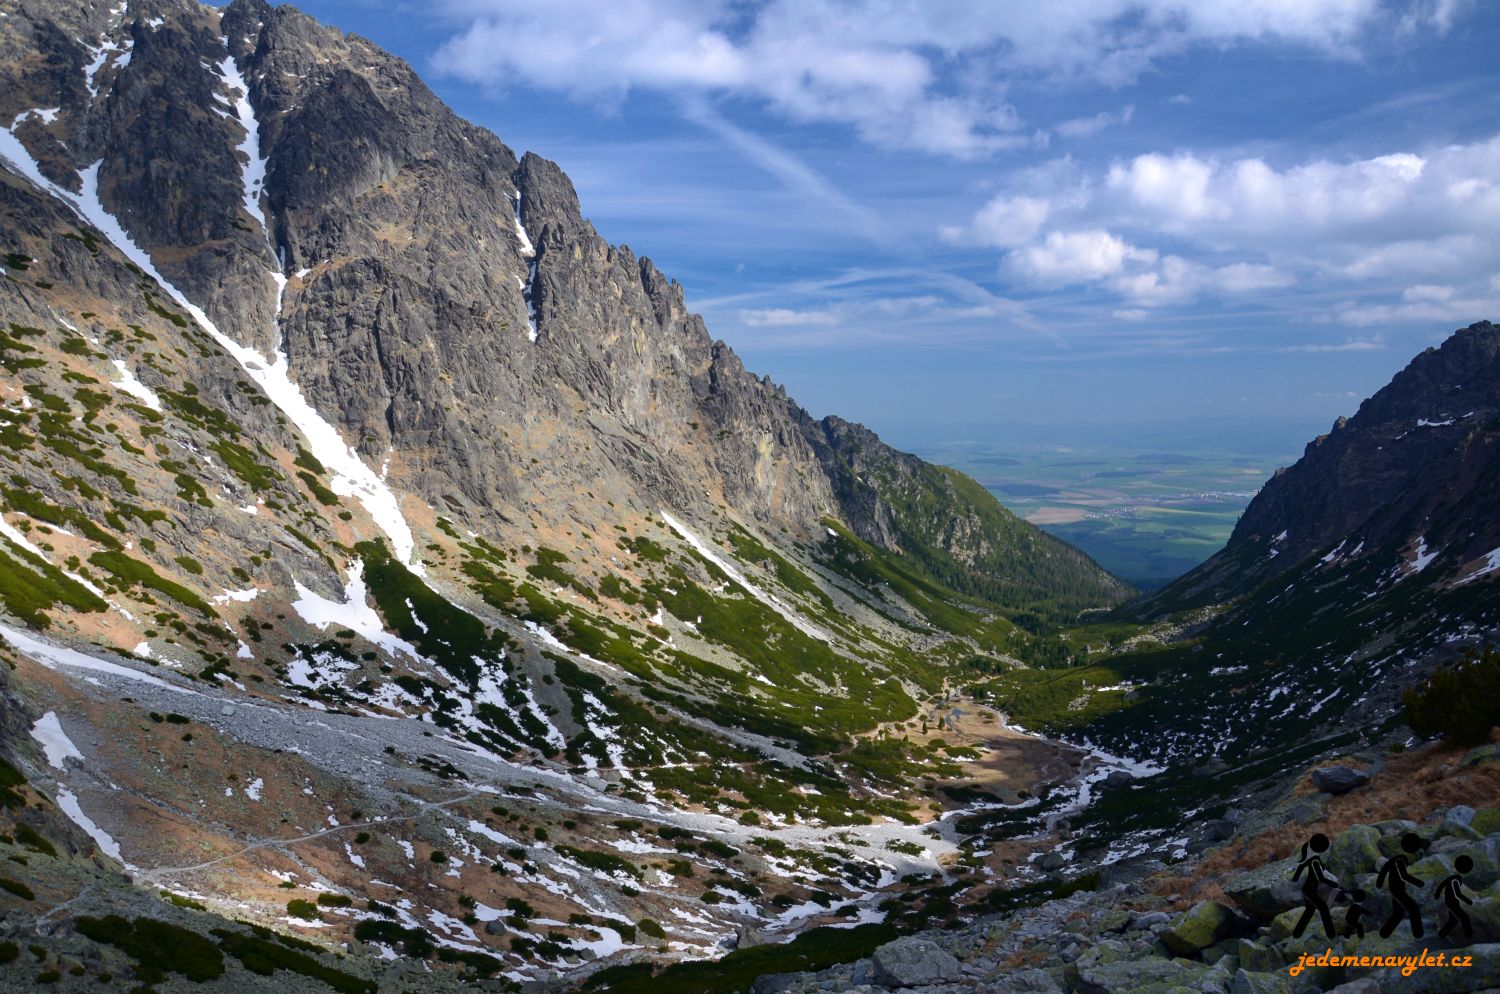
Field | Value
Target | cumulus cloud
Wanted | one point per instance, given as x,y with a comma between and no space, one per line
1160,229
901,73
1076,257
1425,304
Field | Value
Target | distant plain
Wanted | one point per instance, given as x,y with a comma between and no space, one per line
1148,503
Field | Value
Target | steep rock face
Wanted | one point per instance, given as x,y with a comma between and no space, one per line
1414,474
444,303
941,520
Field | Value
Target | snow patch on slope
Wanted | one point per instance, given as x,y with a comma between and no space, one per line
770,600
129,384
351,477
1490,565
354,613
54,656
54,741
107,845
254,170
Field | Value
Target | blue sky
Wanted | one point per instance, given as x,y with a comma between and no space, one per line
924,214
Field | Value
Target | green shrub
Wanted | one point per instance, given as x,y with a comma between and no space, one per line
264,957
17,888
299,908
32,839
29,585
334,901
130,572
602,861
157,947
651,928
414,942
1461,702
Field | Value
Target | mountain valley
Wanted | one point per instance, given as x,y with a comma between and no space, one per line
400,589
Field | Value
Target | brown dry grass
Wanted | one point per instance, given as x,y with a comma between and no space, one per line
1409,786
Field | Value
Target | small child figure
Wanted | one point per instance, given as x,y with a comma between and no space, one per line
1357,910
1452,892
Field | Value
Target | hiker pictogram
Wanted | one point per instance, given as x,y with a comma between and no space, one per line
1317,878
1394,878
1451,891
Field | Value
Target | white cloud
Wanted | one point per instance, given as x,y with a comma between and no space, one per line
1174,188
1076,257
1239,277
1350,345
1160,229
901,73
1004,222
1426,305
782,317
1082,127
793,173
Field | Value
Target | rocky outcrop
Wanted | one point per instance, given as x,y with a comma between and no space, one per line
1411,482
448,306
1085,943
1338,779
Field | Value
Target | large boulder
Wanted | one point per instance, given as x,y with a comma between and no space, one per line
1482,974
913,962
775,983
1031,981
1050,861
1258,958
1267,892
1484,852
1206,923
1152,975
1354,850
1484,915
1486,821
1246,982
1338,779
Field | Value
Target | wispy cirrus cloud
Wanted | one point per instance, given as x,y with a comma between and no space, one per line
901,73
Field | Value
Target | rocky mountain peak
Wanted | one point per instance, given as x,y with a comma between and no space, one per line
1415,470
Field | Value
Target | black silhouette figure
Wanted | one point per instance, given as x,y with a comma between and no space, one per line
1452,893
1394,878
1356,911
1317,878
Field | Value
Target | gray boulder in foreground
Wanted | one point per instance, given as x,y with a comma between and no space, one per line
913,962
1338,779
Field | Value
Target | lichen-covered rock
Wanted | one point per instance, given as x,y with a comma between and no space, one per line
1143,976
1247,982
1206,923
1258,957
1354,850
1266,892
1482,975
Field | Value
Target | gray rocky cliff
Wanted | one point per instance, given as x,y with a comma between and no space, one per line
444,303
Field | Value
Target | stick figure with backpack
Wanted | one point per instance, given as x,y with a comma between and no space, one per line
1394,878
1317,877
1452,893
